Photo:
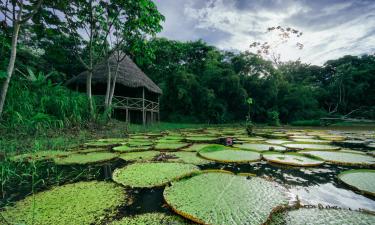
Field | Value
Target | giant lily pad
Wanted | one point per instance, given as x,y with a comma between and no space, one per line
195,147
311,147
221,153
146,175
310,141
201,139
362,180
102,144
332,137
78,203
151,219
125,148
139,156
277,141
188,157
170,146
79,158
223,198
260,147
138,142
304,216
291,159
40,155
342,158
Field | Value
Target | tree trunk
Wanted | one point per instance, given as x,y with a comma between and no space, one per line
108,91
88,91
114,84
10,69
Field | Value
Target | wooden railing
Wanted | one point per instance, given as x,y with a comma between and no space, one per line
134,104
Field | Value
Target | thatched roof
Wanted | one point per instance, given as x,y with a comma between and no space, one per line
129,75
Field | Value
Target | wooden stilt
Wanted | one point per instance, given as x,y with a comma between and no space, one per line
152,117
143,107
127,115
158,109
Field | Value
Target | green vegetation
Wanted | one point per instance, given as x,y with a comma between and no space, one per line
224,154
188,157
81,203
88,158
291,159
139,156
342,158
298,146
259,147
147,175
151,219
362,180
222,198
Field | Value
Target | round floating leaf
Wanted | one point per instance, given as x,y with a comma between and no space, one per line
310,147
112,140
342,158
277,141
151,219
250,139
89,158
332,137
260,147
139,142
139,156
146,175
291,159
188,157
40,155
170,146
304,216
222,198
88,150
125,148
201,139
221,153
101,144
310,141
195,147
371,145
78,203
363,180
301,137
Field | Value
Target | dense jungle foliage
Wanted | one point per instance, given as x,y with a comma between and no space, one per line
200,82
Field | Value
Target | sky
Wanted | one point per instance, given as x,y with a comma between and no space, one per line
331,28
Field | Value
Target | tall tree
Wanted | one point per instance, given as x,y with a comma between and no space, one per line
18,12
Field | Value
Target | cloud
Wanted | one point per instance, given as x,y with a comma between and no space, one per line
331,28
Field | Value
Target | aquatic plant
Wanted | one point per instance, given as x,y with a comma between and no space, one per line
77,203
224,198
170,146
291,159
276,141
80,158
260,147
195,147
146,175
342,158
139,156
203,139
303,216
39,155
361,179
102,144
310,147
188,157
309,141
221,153
151,219
125,148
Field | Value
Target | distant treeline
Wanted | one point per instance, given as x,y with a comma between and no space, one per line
200,83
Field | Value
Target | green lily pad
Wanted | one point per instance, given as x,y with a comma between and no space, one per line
342,158
88,150
89,158
224,154
139,156
77,203
101,144
151,219
371,145
125,148
223,198
250,139
362,180
146,175
138,143
277,141
195,147
170,146
201,139
291,159
112,140
188,157
304,216
332,137
311,147
260,147
310,141
40,155
301,137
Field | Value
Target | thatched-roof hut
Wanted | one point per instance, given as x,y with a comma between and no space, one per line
134,90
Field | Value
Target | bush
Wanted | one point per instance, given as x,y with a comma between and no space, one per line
273,118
